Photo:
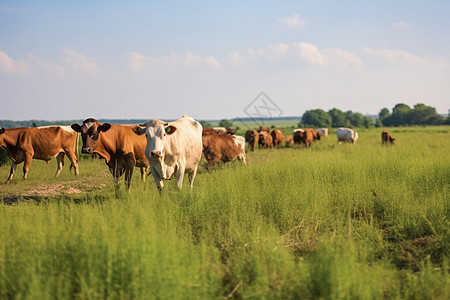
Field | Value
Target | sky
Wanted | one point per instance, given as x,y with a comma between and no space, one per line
71,60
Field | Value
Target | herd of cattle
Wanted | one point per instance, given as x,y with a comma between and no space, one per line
166,149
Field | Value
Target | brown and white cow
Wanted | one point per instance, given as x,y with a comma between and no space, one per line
265,140
386,137
173,148
240,142
347,135
252,139
44,143
117,144
219,147
322,131
305,137
277,137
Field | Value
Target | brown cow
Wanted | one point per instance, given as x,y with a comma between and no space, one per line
218,147
304,136
252,139
265,140
288,140
266,129
44,143
218,130
117,144
277,137
386,137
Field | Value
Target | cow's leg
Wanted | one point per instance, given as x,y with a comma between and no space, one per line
130,162
59,163
12,171
144,170
180,176
115,173
212,162
244,158
74,161
191,177
26,165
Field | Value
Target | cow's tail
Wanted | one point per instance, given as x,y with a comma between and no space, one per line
77,155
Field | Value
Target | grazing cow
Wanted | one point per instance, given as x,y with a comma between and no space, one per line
277,137
240,142
44,143
347,135
266,129
173,148
322,131
218,130
386,137
265,140
289,140
296,135
305,136
117,144
220,147
252,139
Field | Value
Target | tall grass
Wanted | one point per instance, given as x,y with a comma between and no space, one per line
333,221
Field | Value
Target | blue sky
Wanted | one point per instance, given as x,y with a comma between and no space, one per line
210,59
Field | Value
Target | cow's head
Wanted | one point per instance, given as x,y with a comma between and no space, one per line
156,132
90,132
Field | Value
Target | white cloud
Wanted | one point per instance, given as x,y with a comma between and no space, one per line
300,52
37,64
401,25
172,60
10,66
403,57
79,61
292,21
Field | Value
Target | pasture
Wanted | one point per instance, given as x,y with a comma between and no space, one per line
332,222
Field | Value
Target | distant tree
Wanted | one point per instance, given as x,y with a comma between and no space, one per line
425,115
369,122
225,123
338,118
383,114
315,118
378,123
355,119
205,124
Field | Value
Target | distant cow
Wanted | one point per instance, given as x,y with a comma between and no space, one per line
322,131
173,148
240,142
386,137
252,139
296,135
220,147
266,129
121,149
316,135
227,130
289,140
44,143
305,137
347,135
277,137
265,140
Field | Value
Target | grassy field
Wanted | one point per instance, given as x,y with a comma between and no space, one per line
329,222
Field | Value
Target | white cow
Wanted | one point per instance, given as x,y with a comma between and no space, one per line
240,142
322,131
172,148
347,135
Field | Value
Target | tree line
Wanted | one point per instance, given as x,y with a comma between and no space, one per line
401,115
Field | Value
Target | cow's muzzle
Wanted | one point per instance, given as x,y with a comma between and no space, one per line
87,150
156,154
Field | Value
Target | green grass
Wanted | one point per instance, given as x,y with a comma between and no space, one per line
330,222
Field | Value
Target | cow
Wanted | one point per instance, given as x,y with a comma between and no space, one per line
322,131
121,149
305,137
288,140
265,140
252,139
277,137
296,135
173,148
44,143
386,137
266,129
240,142
347,135
220,147
219,130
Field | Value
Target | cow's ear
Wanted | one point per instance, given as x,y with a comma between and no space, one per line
170,129
138,130
76,127
2,130
104,127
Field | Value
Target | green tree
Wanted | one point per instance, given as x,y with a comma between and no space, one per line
338,118
355,119
400,115
316,118
383,114
225,123
205,124
425,115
